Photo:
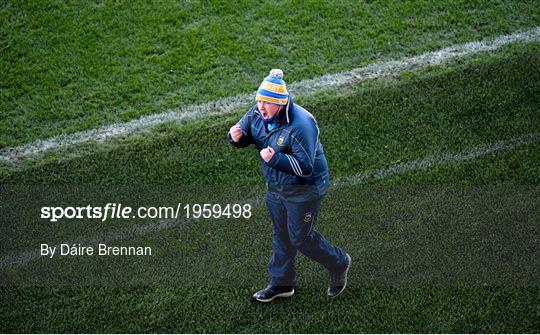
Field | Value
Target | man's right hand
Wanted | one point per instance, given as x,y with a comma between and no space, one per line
236,132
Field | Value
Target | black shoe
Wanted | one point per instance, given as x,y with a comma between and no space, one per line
338,280
271,292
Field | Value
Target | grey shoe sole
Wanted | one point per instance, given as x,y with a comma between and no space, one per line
346,274
280,295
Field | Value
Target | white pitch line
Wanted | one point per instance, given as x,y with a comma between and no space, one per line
309,87
429,162
362,178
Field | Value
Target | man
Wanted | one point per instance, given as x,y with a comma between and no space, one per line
296,172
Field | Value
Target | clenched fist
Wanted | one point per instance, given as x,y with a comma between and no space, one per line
267,154
236,132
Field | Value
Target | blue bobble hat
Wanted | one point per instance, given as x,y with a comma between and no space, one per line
273,89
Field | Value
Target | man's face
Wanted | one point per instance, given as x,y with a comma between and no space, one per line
267,109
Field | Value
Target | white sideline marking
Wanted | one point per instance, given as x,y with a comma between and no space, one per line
429,162
307,87
361,178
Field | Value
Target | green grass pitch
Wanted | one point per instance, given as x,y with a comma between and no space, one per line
452,248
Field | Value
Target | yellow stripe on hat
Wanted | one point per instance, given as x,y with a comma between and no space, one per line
281,89
271,100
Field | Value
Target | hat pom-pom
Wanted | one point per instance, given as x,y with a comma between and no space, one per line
277,73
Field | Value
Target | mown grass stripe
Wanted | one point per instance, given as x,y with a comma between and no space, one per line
429,162
13,155
419,164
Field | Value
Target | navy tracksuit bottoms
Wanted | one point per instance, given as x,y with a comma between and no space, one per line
293,230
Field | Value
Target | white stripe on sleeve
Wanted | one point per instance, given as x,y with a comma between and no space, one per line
295,166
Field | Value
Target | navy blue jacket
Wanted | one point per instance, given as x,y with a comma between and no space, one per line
298,171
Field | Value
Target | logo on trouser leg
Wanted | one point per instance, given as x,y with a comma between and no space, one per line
307,217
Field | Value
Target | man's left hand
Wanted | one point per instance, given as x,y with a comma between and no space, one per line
267,154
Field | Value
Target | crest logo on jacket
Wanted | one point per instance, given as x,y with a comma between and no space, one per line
307,217
281,141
